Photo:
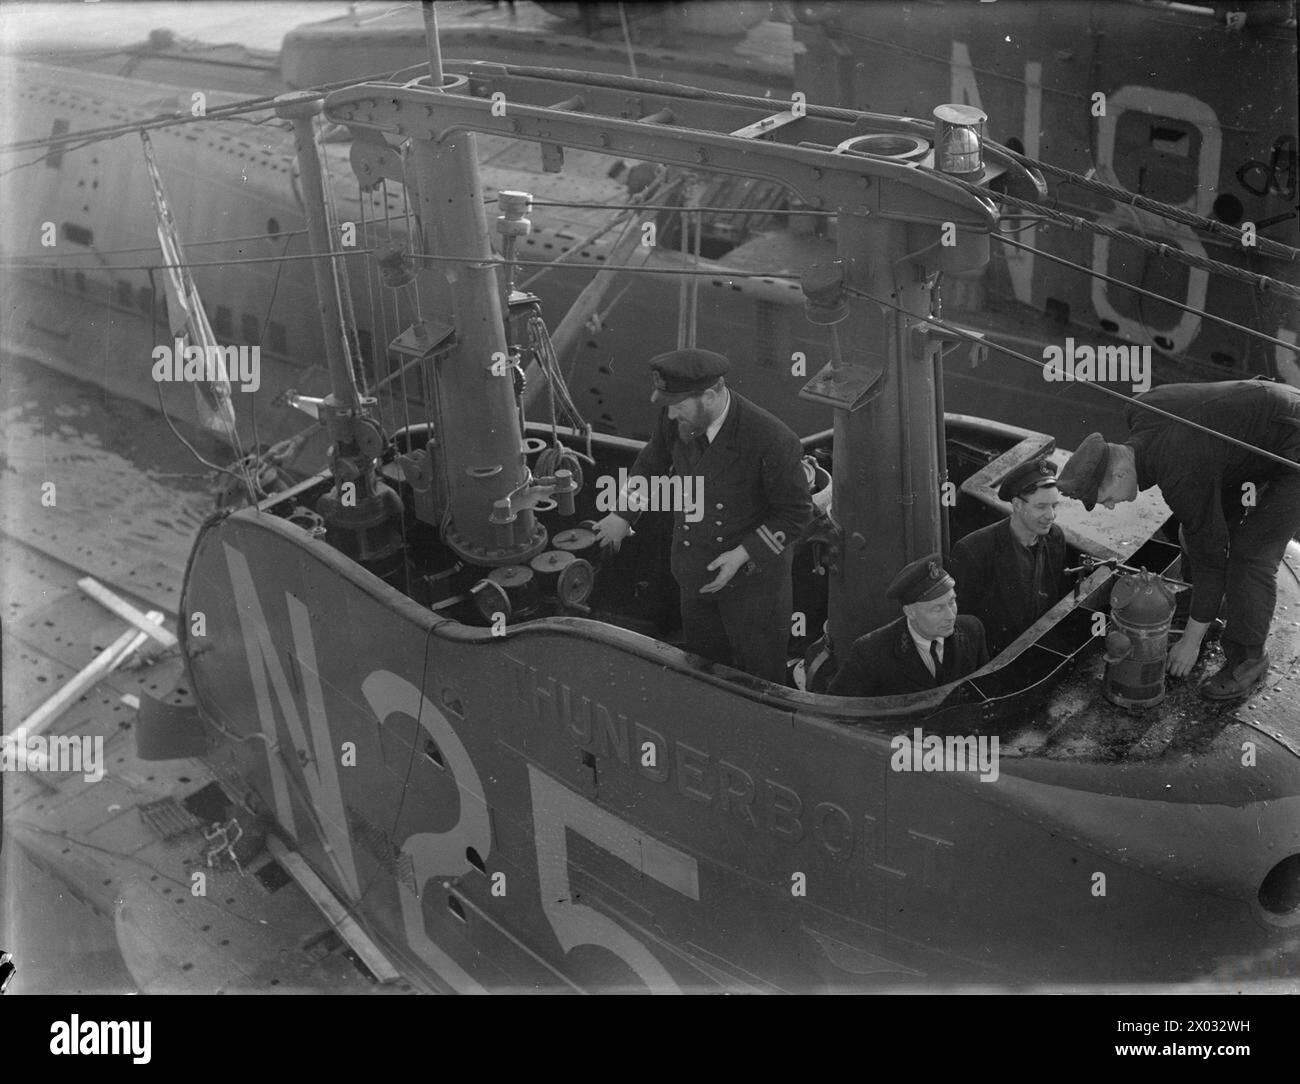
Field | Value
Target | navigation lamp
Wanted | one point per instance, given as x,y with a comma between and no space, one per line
959,140
395,267
823,290
513,206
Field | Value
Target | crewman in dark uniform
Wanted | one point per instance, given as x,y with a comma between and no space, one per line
1236,510
733,565
1012,572
930,645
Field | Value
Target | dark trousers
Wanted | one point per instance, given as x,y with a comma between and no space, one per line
1256,544
1255,549
745,625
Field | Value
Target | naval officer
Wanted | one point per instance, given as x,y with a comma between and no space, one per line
1236,510
733,565
1012,572
930,645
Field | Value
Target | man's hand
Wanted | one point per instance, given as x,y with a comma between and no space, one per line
612,530
727,564
1183,655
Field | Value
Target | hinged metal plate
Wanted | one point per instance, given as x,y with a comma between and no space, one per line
848,388
423,339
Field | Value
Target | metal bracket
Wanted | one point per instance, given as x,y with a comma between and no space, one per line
423,339
767,125
848,388
923,334
373,160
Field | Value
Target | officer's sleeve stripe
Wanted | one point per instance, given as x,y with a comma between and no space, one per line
767,537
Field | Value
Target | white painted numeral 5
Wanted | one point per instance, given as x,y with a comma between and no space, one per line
556,809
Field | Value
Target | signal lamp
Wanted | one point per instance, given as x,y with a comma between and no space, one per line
959,140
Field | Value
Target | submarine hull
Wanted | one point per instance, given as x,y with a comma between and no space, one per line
572,806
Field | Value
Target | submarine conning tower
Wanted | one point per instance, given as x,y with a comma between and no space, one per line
907,207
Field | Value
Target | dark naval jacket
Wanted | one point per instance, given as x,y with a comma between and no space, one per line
886,662
755,492
1199,475
993,584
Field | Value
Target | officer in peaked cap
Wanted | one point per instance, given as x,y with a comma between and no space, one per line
930,645
683,374
732,563
1012,572
1236,510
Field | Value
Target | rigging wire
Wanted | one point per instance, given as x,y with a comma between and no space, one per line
718,273
1293,347
403,390
363,198
230,111
627,39
36,266
162,406
234,110
154,248
683,289
1263,283
1260,282
341,284
895,123
977,340
587,206
478,261
693,284
266,323
1265,246
658,187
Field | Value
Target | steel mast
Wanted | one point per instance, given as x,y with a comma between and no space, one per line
900,220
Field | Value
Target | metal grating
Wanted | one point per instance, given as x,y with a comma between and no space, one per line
168,818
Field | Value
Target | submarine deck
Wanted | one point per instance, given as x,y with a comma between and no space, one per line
94,870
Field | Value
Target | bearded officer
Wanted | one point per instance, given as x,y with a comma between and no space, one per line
1233,546
930,645
733,566
1012,572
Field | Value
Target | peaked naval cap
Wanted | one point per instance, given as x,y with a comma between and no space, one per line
679,374
921,581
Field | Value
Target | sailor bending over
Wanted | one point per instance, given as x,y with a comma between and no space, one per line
1236,510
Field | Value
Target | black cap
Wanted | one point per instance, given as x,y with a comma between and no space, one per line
1027,478
679,374
1082,476
921,581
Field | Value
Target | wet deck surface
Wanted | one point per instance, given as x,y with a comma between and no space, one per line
95,897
